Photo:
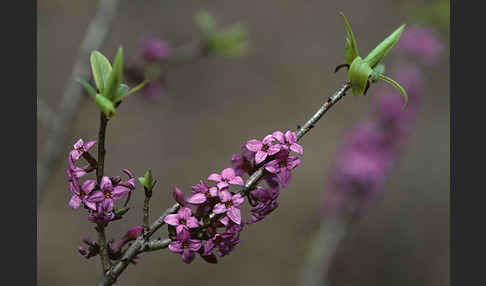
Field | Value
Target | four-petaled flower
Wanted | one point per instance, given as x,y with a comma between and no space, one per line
107,194
227,177
229,205
201,193
80,148
282,166
182,220
288,141
81,193
263,148
185,246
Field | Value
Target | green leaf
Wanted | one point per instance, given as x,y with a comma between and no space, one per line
115,76
105,105
375,75
91,90
147,180
358,75
206,22
397,86
121,211
101,68
126,92
230,42
379,53
351,49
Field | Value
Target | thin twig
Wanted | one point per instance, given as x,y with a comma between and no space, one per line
58,131
111,277
146,210
104,257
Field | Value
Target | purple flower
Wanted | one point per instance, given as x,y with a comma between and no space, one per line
422,43
153,49
179,196
80,148
227,177
81,194
282,167
155,89
131,235
107,194
288,141
185,246
266,203
229,205
225,242
263,148
100,216
183,220
202,193
73,171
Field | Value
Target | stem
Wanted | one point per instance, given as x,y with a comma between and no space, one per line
142,244
148,195
104,257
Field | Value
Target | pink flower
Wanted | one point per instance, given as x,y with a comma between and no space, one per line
229,205
107,194
80,148
183,220
185,246
288,141
282,167
81,193
227,177
263,148
153,49
202,193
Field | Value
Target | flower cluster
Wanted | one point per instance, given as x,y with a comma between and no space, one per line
210,220
98,199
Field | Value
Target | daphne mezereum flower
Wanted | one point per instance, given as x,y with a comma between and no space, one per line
182,220
185,246
100,216
288,141
225,242
73,171
202,193
282,166
154,50
227,177
263,148
266,199
107,194
229,205
80,148
420,42
81,194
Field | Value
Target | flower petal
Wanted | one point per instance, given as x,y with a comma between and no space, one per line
284,176
88,186
237,181
188,256
268,140
279,136
237,200
228,173
272,166
254,145
192,222
297,148
184,213
119,192
172,219
225,195
89,145
105,183
197,199
290,137
222,185
274,149
176,246
108,204
96,196
194,244
234,214
219,208
75,202
90,205
214,177
260,156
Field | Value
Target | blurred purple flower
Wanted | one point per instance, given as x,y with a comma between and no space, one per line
421,42
153,49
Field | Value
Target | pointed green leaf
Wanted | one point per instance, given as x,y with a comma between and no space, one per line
105,105
231,42
101,68
147,180
358,75
397,86
91,90
115,76
379,53
351,49
206,22
126,92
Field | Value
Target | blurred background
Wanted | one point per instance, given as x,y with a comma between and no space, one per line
214,105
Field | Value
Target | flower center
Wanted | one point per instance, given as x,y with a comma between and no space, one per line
107,194
182,221
282,164
228,203
265,148
81,194
185,244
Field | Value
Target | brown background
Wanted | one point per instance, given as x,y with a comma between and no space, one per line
213,106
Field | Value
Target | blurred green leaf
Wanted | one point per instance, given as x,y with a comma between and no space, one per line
397,86
91,90
101,69
358,75
379,53
231,42
105,105
206,22
351,49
